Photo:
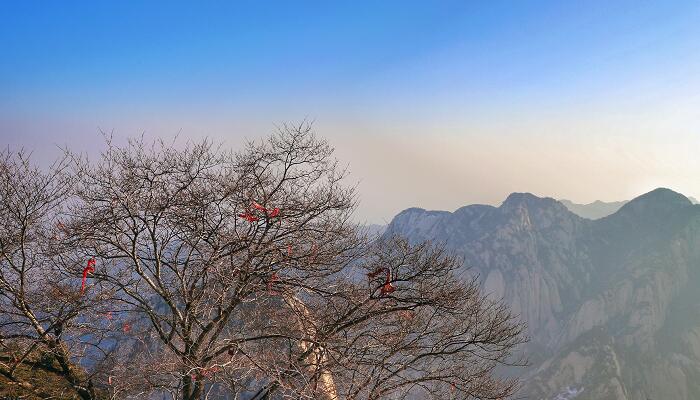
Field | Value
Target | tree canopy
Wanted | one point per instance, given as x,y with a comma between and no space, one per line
207,272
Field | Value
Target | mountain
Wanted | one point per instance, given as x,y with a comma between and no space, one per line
612,305
597,209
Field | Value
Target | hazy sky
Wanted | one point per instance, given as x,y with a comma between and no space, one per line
433,104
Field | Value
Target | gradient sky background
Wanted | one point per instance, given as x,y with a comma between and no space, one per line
433,104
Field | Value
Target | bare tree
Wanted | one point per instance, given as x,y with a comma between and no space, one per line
241,273
46,323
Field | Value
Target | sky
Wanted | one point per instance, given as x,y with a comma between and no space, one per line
431,104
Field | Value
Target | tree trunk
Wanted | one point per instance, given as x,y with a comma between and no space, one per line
192,389
326,383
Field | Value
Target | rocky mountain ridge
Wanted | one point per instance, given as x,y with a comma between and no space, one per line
610,303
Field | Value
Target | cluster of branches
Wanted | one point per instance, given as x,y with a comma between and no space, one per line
232,274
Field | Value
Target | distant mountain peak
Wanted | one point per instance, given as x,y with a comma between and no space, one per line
658,200
526,199
662,194
530,202
518,197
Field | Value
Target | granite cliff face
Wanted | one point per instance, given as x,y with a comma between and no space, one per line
612,305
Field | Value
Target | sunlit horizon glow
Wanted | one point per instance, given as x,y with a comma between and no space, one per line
431,106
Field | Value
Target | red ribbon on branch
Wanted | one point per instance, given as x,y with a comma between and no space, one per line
249,217
87,270
271,213
387,287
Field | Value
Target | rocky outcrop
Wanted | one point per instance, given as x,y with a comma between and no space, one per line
610,303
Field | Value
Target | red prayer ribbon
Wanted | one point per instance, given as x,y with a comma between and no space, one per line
249,217
255,205
387,287
87,270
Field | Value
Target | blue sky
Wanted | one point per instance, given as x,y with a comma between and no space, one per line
437,81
